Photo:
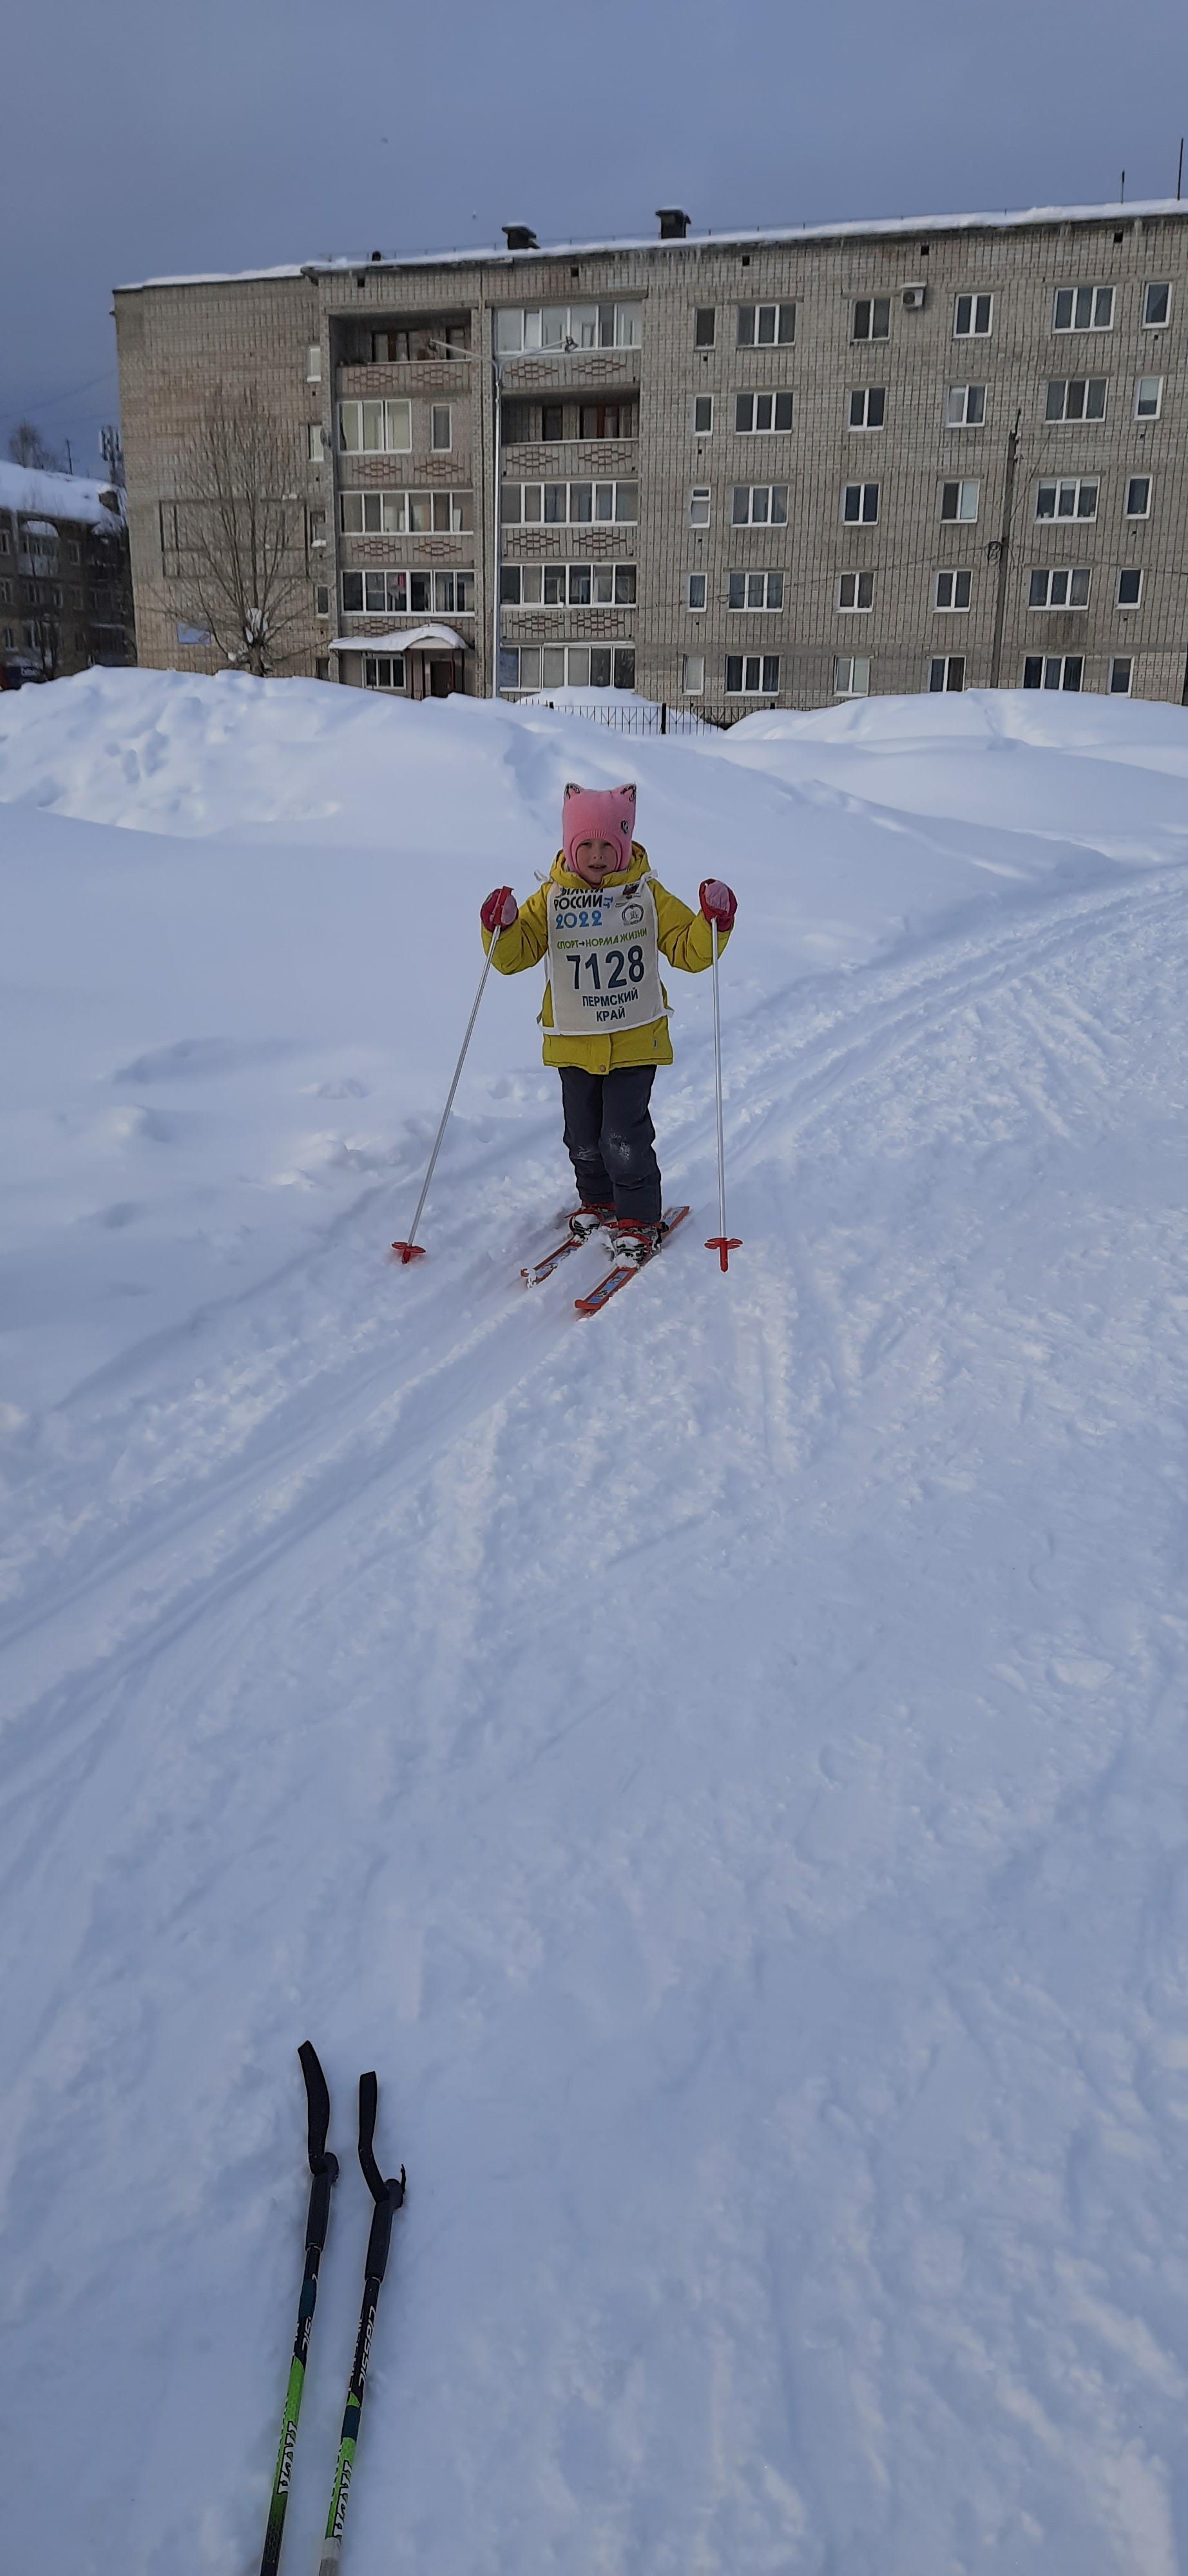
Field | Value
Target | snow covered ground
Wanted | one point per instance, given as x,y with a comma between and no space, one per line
723,1763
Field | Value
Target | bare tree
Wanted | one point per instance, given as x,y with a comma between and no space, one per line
27,447
240,533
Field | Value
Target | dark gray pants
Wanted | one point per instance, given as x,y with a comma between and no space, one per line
610,1139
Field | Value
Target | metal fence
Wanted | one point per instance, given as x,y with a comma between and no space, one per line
652,719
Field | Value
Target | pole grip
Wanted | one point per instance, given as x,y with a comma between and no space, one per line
319,2204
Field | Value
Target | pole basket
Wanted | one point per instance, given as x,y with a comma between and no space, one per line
410,1251
724,1245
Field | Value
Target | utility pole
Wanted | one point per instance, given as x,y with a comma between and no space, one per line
1180,171
1000,552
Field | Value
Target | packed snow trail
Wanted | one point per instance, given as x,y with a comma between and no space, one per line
722,1762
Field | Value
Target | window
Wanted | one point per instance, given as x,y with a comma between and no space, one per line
1148,398
1138,497
868,407
752,675
1130,587
947,671
581,585
75,553
766,326
703,415
952,590
316,523
959,500
568,326
1059,588
855,593
759,505
1156,307
440,427
383,670
315,448
699,507
367,426
1066,501
860,504
704,326
573,666
696,598
322,598
6,593
528,504
693,674
4,544
756,590
395,513
757,414
1053,670
453,592
393,594
965,406
1076,398
851,676
872,318
1121,674
1083,308
395,348
313,363
973,317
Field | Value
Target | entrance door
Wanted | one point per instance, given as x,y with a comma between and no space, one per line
441,678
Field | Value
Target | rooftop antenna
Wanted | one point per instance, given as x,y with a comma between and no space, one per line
1180,171
1122,198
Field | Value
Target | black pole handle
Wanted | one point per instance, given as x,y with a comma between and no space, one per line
322,2165
388,2196
317,2094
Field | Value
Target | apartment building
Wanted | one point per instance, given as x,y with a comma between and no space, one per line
65,585
753,469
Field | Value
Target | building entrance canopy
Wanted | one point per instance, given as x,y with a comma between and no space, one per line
403,639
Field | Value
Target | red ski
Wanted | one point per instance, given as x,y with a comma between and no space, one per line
618,1278
534,1271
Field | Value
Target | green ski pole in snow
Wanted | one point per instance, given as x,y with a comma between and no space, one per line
324,2169
388,2198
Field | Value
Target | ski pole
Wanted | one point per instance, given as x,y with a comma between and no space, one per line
721,1242
412,1249
324,2169
388,2198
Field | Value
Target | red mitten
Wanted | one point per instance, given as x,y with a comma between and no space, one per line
499,910
717,903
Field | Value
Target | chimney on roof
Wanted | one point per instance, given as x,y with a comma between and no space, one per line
674,223
377,254
520,237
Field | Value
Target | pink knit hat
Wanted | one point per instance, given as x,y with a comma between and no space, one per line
598,814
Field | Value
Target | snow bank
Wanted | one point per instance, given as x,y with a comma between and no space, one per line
723,1763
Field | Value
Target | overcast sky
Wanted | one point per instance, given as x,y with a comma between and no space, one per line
142,140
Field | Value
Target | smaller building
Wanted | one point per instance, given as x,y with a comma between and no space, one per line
65,578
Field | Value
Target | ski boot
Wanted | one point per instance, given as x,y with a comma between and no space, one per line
586,1220
633,1243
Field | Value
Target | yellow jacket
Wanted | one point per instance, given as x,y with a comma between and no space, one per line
685,939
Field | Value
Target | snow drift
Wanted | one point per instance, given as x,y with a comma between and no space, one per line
722,1763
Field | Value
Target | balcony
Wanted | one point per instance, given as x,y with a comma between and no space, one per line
407,376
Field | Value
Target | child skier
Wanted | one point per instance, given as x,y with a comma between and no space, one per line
602,919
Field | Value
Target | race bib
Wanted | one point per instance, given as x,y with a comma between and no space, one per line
604,959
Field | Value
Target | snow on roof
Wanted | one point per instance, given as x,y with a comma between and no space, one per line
403,639
1011,219
54,496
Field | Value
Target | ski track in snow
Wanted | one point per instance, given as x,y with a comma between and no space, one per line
722,1761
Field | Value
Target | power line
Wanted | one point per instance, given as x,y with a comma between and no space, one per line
52,402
